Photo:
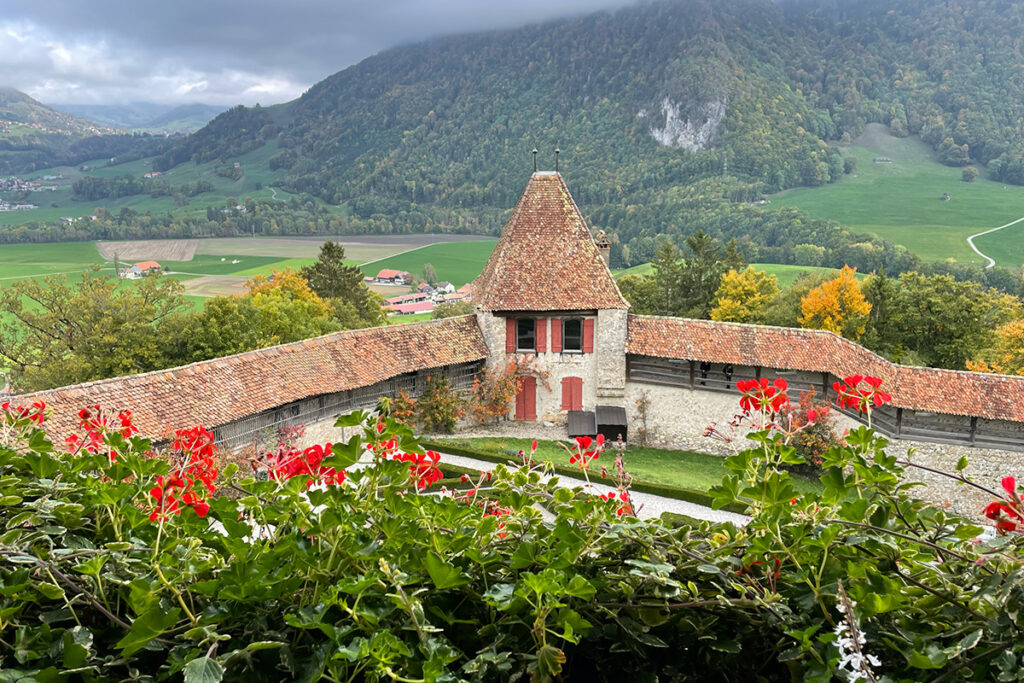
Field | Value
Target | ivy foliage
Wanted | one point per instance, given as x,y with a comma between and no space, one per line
367,576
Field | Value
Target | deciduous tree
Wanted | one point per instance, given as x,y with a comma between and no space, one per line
837,306
55,332
742,295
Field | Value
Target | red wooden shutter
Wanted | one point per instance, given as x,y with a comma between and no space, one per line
577,393
588,335
542,335
510,335
556,335
520,403
566,393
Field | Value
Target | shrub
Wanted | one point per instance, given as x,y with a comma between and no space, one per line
492,393
121,561
439,408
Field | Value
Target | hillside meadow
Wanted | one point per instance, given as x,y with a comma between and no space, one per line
901,200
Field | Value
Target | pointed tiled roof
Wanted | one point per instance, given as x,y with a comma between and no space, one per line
546,259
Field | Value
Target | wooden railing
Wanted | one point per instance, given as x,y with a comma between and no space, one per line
888,420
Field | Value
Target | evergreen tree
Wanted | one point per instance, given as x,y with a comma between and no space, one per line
332,279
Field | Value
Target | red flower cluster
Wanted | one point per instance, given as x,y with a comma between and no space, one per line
97,424
583,454
762,395
35,413
288,463
626,508
861,398
423,470
194,449
1007,515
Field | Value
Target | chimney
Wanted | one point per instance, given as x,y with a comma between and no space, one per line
604,247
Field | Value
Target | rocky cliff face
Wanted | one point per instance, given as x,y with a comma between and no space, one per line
693,131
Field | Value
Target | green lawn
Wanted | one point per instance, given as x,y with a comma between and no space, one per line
455,262
681,469
901,201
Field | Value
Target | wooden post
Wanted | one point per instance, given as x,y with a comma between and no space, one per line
692,372
757,373
824,386
974,429
899,422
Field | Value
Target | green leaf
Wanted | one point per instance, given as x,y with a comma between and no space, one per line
344,456
50,590
961,464
203,670
352,419
443,574
147,627
264,645
8,501
77,647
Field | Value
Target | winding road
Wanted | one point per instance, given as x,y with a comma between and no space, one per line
970,241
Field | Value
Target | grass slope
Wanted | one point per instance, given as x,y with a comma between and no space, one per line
455,262
901,201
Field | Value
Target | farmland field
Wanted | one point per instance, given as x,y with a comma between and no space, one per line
901,200
458,262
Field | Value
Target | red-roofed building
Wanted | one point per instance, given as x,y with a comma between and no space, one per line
408,309
387,276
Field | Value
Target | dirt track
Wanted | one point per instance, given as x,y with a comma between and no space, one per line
215,285
357,247
141,250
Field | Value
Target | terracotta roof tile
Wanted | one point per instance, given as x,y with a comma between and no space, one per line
222,390
994,397
546,259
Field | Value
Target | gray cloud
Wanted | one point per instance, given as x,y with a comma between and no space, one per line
225,52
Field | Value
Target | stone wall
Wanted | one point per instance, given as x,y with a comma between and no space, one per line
609,343
603,372
678,417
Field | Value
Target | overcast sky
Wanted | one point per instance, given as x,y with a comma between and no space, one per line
225,51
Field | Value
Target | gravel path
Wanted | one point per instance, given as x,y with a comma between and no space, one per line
648,505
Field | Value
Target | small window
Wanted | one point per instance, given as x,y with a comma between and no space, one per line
572,335
526,334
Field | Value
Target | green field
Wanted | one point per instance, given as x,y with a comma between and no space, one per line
786,274
901,201
255,183
455,262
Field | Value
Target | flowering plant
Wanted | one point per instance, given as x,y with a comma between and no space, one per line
373,577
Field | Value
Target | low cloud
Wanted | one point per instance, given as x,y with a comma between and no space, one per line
226,52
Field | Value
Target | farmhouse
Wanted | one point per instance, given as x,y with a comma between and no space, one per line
388,276
141,269
547,299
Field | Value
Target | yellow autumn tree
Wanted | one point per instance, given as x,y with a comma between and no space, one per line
742,295
837,306
1006,356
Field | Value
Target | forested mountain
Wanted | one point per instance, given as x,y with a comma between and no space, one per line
146,116
669,115
34,136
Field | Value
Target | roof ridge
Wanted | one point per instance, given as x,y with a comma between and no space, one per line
254,353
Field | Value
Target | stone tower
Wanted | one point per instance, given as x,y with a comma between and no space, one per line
547,296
